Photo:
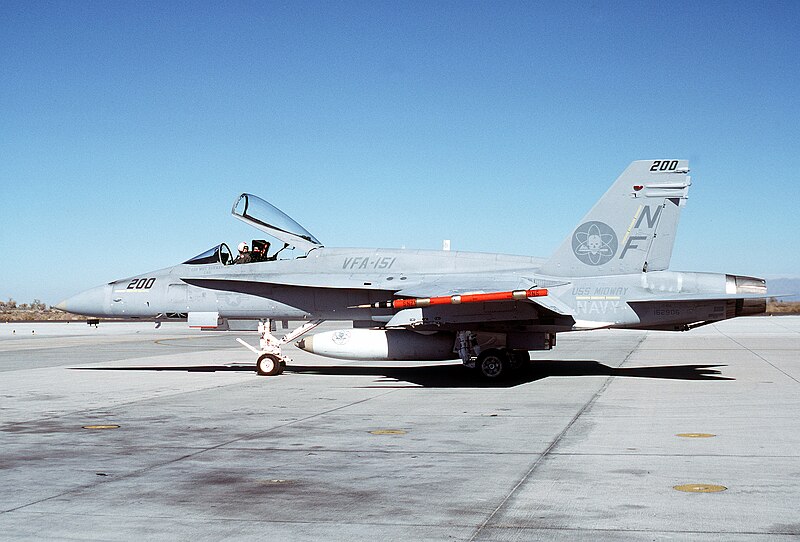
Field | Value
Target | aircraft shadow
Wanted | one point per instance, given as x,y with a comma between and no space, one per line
457,376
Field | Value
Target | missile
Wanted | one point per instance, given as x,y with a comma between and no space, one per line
409,303
380,345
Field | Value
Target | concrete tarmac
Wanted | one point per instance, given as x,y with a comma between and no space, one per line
129,432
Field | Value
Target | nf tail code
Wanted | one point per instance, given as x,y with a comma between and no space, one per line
631,229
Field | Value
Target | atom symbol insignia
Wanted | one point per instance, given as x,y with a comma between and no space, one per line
594,243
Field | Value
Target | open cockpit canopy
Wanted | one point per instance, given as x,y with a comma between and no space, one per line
271,220
267,218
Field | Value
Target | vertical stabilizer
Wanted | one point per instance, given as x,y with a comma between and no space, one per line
631,228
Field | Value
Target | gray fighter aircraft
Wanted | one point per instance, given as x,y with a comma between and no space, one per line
489,310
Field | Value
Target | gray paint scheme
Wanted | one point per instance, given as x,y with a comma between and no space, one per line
610,272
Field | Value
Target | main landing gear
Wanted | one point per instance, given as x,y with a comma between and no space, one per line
491,363
271,361
495,363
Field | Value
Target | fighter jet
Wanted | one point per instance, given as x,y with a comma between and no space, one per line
488,310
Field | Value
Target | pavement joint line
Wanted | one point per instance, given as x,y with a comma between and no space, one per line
80,342
165,342
555,441
137,472
435,525
252,520
790,330
762,358
389,416
121,404
439,452
345,451
624,530
428,525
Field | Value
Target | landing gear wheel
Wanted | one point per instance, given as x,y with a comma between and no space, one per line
492,363
518,359
269,365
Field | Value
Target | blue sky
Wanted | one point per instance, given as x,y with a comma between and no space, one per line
128,129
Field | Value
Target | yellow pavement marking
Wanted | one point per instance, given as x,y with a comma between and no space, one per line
700,488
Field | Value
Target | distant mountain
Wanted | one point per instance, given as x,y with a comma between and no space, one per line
784,286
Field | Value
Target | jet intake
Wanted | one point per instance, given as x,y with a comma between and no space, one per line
380,345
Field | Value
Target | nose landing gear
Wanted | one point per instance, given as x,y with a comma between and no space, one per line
271,360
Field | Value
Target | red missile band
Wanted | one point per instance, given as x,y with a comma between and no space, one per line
455,299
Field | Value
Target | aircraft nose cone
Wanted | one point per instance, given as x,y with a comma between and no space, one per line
306,343
92,302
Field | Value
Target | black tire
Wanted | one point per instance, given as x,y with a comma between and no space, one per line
518,359
269,365
492,364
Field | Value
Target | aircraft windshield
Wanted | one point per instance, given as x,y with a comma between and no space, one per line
268,218
218,254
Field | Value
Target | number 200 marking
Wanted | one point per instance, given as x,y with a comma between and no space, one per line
141,284
664,165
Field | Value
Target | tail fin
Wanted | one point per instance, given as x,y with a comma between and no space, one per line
632,228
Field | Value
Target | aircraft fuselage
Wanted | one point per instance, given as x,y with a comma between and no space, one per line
329,281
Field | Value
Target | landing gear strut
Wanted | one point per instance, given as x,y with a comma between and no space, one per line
271,361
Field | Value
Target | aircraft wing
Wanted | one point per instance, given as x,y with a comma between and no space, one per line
453,298
450,294
457,285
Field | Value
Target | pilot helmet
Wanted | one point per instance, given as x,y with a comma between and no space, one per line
242,246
